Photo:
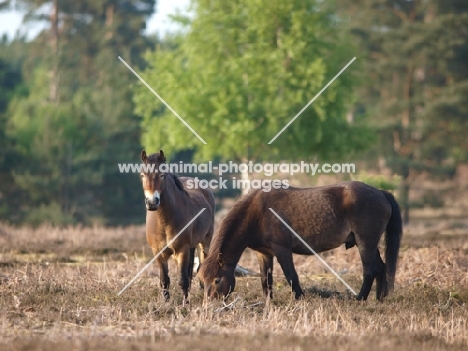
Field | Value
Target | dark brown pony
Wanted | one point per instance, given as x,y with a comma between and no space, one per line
170,206
351,213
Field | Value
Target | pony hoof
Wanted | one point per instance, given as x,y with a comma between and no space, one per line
300,296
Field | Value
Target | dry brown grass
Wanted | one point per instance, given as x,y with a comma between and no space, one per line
58,290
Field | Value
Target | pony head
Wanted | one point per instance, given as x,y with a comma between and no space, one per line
218,280
151,178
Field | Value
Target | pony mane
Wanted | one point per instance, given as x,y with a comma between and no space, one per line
211,265
177,182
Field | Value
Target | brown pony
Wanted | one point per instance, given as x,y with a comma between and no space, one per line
352,213
170,206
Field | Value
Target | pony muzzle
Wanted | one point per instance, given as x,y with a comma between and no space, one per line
152,201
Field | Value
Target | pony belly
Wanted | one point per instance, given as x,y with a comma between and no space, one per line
301,249
318,243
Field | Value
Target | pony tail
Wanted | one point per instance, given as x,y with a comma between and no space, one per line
393,236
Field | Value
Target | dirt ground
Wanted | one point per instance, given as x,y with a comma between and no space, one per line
58,291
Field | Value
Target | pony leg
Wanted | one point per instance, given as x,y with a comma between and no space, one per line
370,269
204,246
190,267
202,250
366,287
183,260
284,257
381,278
266,271
201,258
202,253
164,279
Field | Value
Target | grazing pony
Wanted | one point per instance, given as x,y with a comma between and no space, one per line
350,213
170,207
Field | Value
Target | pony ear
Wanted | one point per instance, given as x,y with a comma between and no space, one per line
221,259
178,183
161,156
143,156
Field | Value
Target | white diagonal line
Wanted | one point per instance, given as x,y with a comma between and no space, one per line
159,253
162,100
311,101
313,251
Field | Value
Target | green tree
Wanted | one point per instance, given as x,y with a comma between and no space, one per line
241,70
416,69
77,122
10,84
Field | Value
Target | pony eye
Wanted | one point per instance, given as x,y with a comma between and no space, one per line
217,281
162,175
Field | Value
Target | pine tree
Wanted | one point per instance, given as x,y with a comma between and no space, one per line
10,84
77,123
416,82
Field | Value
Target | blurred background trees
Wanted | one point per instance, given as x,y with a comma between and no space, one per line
237,73
75,121
415,57
242,71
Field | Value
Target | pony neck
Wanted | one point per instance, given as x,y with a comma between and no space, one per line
171,195
234,257
232,240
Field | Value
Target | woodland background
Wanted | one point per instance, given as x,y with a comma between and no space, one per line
237,72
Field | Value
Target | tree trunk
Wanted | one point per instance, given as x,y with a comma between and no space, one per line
110,9
405,188
54,40
245,180
405,150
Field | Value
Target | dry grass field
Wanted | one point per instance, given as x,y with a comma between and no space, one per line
58,291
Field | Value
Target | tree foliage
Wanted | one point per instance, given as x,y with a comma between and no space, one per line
415,63
10,84
77,122
241,71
